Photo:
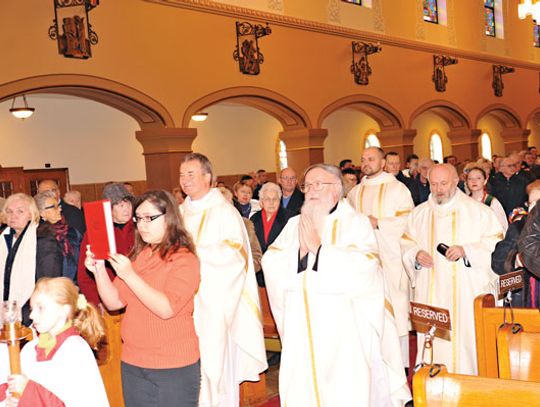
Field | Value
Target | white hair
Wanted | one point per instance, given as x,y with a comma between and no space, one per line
269,187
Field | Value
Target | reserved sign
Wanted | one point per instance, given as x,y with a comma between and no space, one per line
423,317
510,282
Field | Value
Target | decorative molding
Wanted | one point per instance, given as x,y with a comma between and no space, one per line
334,11
207,6
420,30
378,21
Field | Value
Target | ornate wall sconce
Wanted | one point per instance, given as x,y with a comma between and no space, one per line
76,35
497,82
360,66
247,51
439,77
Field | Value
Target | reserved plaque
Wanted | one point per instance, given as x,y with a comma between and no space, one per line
510,282
423,317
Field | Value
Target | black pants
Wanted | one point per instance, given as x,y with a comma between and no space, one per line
178,387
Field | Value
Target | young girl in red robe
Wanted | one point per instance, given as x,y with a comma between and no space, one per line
59,368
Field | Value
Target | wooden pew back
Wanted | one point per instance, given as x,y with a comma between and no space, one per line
445,389
488,318
518,354
109,359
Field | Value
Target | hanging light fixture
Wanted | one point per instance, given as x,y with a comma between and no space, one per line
529,8
200,116
21,112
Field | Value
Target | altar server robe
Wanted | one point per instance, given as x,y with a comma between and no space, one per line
227,311
339,341
452,285
390,201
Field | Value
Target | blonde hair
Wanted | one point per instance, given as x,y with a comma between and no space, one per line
32,207
85,316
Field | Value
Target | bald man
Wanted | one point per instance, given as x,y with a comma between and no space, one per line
452,281
387,203
291,197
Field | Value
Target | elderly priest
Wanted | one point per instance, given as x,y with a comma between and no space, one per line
447,250
327,294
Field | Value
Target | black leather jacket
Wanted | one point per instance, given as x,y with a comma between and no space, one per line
529,242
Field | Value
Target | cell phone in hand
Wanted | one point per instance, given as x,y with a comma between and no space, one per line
442,248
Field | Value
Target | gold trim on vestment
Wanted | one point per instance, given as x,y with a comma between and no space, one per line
389,307
380,204
403,212
238,246
406,236
432,249
360,198
310,339
201,226
334,232
373,256
274,248
253,305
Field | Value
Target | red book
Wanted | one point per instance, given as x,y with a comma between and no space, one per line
100,228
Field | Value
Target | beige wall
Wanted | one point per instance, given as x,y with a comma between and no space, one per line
426,124
493,128
346,135
97,143
237,139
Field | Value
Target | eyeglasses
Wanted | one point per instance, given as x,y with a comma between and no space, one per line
288,178
146,219
317,186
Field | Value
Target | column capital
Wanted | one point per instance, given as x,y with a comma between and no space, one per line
515,139
304,147
162,140
399,140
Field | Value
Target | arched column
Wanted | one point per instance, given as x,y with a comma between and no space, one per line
304,147
464,143
163,151
398,140
515,139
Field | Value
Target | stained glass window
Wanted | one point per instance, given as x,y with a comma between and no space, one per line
358,2
536,34
431,14
489,17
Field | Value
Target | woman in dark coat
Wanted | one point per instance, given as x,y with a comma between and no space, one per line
26,253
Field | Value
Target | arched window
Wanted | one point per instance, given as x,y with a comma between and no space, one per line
282,155
435,148
372,141
493,18
485,144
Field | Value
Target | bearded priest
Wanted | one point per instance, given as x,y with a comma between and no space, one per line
339,340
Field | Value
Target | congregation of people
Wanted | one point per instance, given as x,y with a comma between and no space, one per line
340,250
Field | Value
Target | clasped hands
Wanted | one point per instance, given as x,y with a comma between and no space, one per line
454,253
16,385
120,263
310,241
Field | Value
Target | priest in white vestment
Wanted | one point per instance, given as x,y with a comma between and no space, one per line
339,340
452,282
227,312
387,203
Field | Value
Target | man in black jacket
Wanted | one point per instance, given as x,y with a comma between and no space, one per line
509,185
291,198
392,166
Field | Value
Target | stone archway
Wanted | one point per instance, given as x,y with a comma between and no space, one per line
392,134
158,135
513,133
463,137
304,144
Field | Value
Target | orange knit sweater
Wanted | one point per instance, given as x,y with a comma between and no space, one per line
152,342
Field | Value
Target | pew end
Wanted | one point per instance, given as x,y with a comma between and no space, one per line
518,354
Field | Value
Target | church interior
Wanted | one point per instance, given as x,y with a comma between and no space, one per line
317,81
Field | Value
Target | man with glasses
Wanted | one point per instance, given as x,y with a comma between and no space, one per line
509,185
387,203
227,311
339,341
292,198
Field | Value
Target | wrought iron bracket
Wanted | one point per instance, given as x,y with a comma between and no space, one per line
497,82
247,51
360,66
439,77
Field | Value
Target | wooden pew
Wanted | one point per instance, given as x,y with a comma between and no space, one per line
445,389
488,318
109,359
518,354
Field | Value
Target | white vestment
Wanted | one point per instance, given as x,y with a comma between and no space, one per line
390,201
452,285
227,312
339,341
